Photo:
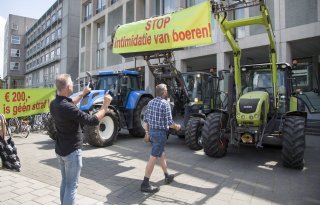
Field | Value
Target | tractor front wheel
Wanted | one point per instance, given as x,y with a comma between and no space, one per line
293,145
193,133
214,142
105,133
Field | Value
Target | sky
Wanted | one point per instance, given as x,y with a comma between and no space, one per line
28,8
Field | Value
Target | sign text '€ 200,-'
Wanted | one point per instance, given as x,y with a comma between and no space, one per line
19,103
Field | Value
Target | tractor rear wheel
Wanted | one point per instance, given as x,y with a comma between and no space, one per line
214,142
293,145
105,133
193,133
138,114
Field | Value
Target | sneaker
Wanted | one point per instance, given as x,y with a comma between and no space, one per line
149,188
169,179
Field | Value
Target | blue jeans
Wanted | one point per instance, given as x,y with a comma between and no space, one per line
158,140
70,166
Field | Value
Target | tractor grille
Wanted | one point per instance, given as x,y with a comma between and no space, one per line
248,105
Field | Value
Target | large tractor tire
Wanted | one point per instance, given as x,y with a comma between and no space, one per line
50,126
193,133
214,143
293,142
138,114
105,133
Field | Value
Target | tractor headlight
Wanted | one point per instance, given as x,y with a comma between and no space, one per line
196,100
242,117
238,116
251,117
256,116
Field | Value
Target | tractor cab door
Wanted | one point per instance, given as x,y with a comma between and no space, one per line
305,88
226,90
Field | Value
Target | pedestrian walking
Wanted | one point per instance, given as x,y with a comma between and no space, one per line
157,120
67,118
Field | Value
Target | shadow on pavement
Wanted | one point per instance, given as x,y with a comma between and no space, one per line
242,172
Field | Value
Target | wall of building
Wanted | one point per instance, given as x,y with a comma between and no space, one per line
296,25
16,27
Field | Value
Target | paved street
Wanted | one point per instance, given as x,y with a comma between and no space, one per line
112,175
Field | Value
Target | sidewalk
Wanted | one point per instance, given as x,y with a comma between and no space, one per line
17,189
112,175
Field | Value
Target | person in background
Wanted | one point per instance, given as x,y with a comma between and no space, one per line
67,118
157,120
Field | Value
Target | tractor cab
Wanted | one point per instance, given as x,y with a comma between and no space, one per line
201,88
119,84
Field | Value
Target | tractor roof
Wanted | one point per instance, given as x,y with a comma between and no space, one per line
112,72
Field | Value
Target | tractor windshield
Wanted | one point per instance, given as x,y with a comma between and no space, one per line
193,84
107,82
261,79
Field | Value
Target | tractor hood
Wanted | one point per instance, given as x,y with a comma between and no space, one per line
248,102
251,108
95,97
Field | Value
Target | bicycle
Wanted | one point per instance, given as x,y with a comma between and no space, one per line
19,126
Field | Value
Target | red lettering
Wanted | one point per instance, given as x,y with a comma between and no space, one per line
148,25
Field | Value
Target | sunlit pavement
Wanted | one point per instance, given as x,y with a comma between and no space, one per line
112,175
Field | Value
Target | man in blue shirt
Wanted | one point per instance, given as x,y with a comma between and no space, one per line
157,120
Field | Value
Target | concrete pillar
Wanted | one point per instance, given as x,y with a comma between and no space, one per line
93,46
285,53
223,61
181,65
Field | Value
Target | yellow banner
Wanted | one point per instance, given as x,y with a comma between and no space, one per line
188,27
25,102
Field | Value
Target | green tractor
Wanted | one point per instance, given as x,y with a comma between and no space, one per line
191,95
263,105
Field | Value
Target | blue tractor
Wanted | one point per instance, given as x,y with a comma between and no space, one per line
125,111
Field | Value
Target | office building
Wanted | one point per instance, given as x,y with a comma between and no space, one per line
52,45
14,50
296,26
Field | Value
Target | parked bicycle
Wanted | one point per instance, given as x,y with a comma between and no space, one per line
19,126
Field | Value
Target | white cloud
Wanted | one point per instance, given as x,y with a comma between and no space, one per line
2,28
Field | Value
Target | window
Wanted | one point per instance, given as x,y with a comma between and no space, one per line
15,52
48,23
100,33
58,51
87,11
47,40
100,58
53,18
52,55
101,5
14,26
113,1
15,39
59,32
59,13
47,57
83,35
53,36
14,66
44,26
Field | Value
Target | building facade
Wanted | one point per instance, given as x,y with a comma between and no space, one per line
14,50
52,45
296,26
